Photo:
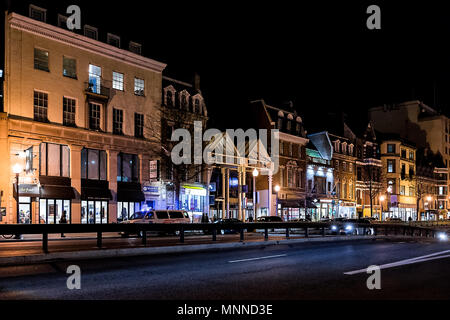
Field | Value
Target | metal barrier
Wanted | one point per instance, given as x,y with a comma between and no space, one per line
209,228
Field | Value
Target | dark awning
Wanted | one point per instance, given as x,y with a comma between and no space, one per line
296,203
130,192
95,193
57,192
128,195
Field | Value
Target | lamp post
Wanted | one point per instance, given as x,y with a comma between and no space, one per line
382,198
277,189
429,198
255,174
17,168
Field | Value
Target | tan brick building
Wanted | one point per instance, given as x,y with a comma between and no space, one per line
74,123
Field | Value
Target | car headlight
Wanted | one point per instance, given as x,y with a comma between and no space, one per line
349,228
442,236
334,228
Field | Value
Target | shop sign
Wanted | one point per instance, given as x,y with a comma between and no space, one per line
150,189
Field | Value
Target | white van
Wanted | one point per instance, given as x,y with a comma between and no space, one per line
158,216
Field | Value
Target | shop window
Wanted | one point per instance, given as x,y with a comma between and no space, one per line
93,164
94,212
127,168
52,210
126,210
54,160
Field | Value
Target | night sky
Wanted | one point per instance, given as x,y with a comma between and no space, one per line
321,56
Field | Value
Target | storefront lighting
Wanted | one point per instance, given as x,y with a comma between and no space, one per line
382,198
17,168
428,198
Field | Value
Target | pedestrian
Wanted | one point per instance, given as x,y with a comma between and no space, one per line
63,220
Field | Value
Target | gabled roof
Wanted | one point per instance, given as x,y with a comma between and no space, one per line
322,143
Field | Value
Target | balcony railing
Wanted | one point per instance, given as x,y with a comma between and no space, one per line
100,88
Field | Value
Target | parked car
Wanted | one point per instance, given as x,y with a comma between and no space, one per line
395,220
157,216
350,226
269,219
227,225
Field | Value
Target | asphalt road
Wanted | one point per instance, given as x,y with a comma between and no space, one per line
306,271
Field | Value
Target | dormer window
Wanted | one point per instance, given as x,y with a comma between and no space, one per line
336,146
135,47
350,149
344,147
184,104
62,21
113,40
38,13
91,32
169,98
197,106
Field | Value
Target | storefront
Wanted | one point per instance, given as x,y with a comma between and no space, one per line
55,201
405,212
94,212
193,199
130,199
347,210
28,194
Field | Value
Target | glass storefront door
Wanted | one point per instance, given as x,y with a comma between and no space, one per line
94,212
52,210
24,216
126,209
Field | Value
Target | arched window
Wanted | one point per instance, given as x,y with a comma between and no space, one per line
197,106
169,98
184,104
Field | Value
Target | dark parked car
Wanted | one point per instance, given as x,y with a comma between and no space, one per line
227,225
350,226
396,220
269,219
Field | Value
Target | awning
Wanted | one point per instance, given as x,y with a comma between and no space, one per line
130,192
57,192
296,203
95,193
26,190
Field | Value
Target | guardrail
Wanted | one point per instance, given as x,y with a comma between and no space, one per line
438,223
135,228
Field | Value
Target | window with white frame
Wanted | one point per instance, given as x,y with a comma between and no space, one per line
41,59
117,121
139,87
40,106
113,40
118,81
69,67
91,32
69,111
37,13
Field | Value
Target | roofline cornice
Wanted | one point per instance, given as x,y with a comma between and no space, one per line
19,22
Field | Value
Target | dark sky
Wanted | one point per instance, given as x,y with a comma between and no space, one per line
319,55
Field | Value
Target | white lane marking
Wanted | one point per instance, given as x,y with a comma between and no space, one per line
425,258
260,258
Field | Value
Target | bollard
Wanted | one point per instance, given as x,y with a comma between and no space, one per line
214,234
241,238
375,231
306,232
182,234
287,233
45,242
266,234
99,240
323,231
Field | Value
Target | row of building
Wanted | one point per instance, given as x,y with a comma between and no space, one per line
86,130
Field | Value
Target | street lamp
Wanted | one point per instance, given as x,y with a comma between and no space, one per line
277,189
382,198
17,169
255,174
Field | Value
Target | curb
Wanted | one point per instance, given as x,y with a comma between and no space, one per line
148,251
